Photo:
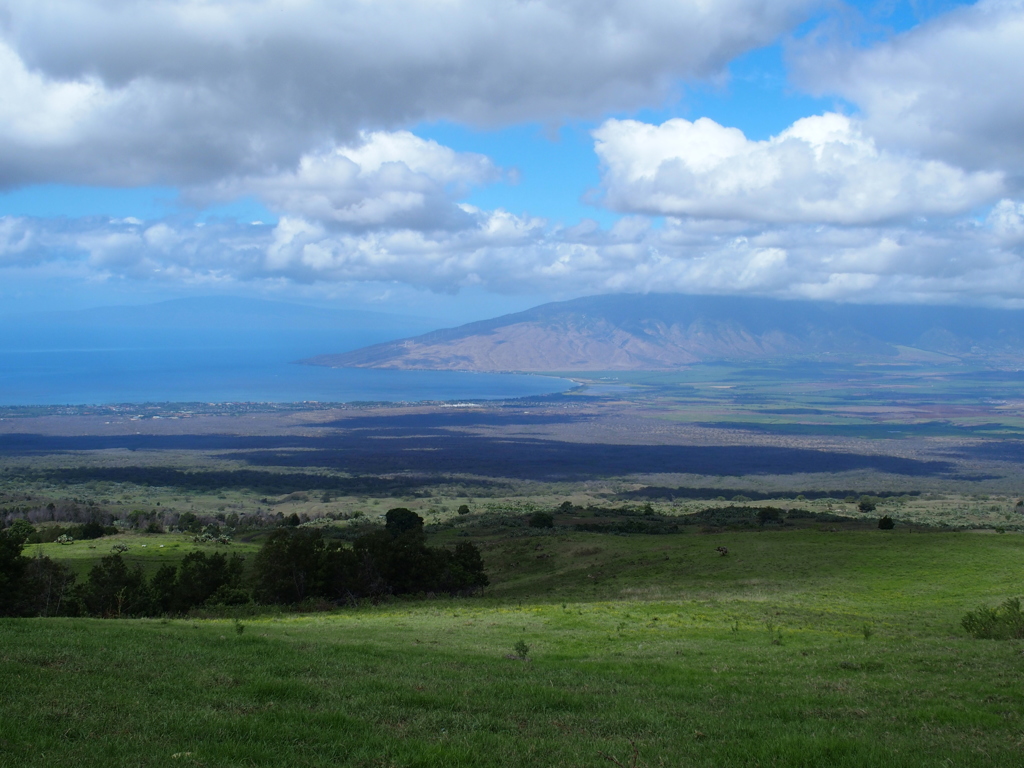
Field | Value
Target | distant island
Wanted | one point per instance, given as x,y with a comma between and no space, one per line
624,332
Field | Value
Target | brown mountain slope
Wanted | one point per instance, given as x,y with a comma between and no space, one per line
664,331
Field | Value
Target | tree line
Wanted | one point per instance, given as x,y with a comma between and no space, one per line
292,566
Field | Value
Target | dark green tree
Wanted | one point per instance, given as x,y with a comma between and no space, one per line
163,587
12,565
541,520
188,521
199,580
291,566
401,520
467,558
113,590
91,530
769,515
47,589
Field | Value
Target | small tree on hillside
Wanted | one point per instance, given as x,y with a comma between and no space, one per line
401,520
542,520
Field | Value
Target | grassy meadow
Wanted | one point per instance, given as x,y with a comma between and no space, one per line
818,646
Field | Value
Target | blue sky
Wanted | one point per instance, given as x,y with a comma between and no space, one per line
464,160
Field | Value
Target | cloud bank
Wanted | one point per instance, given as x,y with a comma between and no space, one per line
191,91
914,196
953,261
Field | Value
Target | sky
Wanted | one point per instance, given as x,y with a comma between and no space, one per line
461,159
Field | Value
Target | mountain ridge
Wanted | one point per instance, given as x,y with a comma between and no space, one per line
666,331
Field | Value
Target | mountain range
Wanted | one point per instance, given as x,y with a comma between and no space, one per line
665,331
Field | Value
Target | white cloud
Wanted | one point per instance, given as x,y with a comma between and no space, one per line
1007,221
821,169
950,88
386,179
191,91
959,260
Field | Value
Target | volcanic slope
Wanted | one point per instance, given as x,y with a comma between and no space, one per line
665,331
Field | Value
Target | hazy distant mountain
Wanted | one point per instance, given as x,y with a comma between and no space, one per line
663,331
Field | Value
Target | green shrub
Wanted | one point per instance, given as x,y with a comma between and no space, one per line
188,521
542,520
464,509
886,523
769,515
1005,622
866,504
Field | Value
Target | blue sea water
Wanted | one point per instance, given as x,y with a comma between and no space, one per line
233,374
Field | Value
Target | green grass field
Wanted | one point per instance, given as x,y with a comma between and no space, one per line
800,648
147,551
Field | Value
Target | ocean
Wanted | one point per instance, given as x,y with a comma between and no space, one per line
265,374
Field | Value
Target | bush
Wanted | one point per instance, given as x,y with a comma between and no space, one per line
886,523
400,520
1005,622
464,510
91,530
769,515
188,521
541,520
866,504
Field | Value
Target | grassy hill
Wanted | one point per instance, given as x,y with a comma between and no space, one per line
807,647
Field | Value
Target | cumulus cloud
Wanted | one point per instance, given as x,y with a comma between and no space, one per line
383,180
174,91
949,88
820,169
957,260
